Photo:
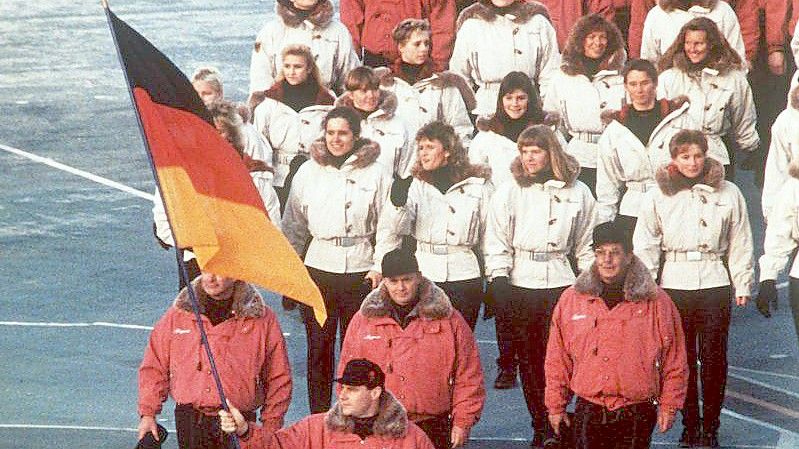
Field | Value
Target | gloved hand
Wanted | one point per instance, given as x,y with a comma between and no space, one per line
399,190
766,296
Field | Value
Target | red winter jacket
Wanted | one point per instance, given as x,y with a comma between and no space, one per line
248,349
333,430
432,366
633,353
563,14
371,22
776,24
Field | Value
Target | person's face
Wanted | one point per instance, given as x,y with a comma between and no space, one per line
207,92
304,4
416,49
695,46
595,44
534,159
515,103
358,402
217,287
690,161
365,99
295,69
612,262
502,3
403,288
338,136
640,87
432,154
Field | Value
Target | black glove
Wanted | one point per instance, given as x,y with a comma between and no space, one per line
163,244
399,190
766,296
288,304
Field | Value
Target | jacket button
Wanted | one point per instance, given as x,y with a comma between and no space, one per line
551,222
703,222
207,390
606,377
603,105
402,378
518,52
348,205
707,108
605,359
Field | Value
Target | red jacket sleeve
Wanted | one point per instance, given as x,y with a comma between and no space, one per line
442,24
468,392
352,16
638,11
674,362
557,364
776,24
154,368
276,377
747,12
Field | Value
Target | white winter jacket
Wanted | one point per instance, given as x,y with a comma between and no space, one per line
580,103
337,209
784,149
488,46
448,227
257,147
533,226
720,104
289,132
696,229
782,232
661,28
388,130
329,41
627,164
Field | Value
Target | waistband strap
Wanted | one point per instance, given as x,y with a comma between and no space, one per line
640,186
442,249
587,137
690,256
284,158
345,242
538,256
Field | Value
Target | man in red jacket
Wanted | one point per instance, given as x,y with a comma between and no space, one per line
616,341
250,355
409,328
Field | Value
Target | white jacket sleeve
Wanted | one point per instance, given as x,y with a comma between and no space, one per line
648,234
162,229
650,41
740,253
777,162
744,117
347,60
395,222
262,70
795,44
295,217
584,232
381,204
456,114
608,180
461,61
782,236
263,183
549,59
498,238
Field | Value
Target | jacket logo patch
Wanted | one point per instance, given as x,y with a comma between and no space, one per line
179,331
577,316
372,337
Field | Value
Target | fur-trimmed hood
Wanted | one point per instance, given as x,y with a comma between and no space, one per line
391,422
638,283
569,171
366,153
671,181
433,302
247,302
321,16
387,102
463,172
484,10
492,123
439,80
670,5
666,108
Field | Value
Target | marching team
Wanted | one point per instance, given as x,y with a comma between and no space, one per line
584,200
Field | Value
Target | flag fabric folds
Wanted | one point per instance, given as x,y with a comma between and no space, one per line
212,204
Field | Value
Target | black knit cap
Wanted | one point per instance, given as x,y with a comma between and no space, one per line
398,262
613,232
362,372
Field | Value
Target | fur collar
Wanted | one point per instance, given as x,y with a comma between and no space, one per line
671,181
433,303
278,93
366,153
321,16
247,302
571,169
493,124
638,284
523,11
666,108
426,71
440,80
391,422
387,102
671,5
461,174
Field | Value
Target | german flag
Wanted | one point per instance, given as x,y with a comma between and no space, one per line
212,204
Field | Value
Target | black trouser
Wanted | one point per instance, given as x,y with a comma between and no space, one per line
508,358
793,299
528,312
588,177
196,430
438,429
466,296
282,195
343,294
706,322
629,427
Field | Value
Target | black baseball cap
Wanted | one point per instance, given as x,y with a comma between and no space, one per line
399,262
362,372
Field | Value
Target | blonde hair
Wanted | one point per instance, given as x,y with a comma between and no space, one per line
542,136
304,52
210,75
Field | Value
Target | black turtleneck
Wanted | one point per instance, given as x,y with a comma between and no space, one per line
442,178
612,294
410,72
543,176
401,313
338,161
364,427
300,96
511,128
591,66
364,114
642,123
505,9
215,310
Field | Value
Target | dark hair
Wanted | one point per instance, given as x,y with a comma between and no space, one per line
542,136
573,55
362,77
640,65
226,118
687,137
449,139
348,114
403,31
520,81
720,55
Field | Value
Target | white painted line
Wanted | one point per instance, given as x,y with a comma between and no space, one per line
59,427
764,385
767,373
96,323
78,172
767,425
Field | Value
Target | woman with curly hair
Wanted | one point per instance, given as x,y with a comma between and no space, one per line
702,66
536,222
443,206
588,83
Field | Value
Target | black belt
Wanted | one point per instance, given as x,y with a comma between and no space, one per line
605,416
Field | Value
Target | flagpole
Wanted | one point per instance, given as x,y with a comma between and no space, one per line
182,269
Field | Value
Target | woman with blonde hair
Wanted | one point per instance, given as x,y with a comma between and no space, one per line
535,224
